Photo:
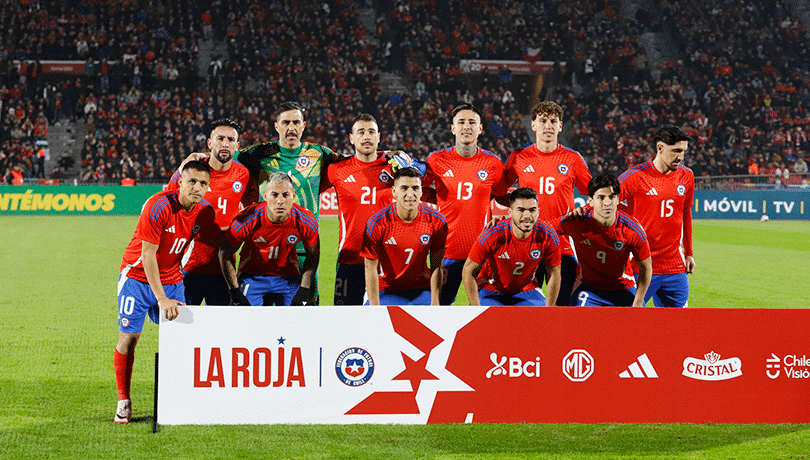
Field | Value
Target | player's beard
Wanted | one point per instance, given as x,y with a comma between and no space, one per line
224,156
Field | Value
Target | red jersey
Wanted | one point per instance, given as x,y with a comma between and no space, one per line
662,203
165,223
269,249
508,263
225,193
362,190
553,176
464,189
403,248
603,253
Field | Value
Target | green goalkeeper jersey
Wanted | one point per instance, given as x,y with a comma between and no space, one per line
304,164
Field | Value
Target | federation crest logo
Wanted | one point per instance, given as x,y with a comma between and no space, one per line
681,189
303,162
535,254
384,177
618,245
196,229
354,366
483,174
424,239
292,239
237,186
124,322
562,168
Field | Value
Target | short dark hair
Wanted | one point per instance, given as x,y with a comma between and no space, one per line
364,117
548,108
286,107
670,134
407,172
226,122
197,165
464,106
526,193
602,181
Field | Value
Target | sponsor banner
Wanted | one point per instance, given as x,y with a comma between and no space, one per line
417,365
86,199
516,67
751,204
64,67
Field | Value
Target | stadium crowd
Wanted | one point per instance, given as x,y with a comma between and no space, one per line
740,91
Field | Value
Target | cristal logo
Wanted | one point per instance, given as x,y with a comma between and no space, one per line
517,367
712,368
578,365
789,363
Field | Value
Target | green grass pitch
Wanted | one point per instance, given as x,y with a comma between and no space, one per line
58,329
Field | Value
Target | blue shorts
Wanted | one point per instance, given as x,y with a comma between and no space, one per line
204,287
270,290
586,296
350,284
669,291
530,298
404,297
452,280
136,300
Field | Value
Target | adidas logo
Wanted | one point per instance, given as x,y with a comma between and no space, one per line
652,192
260,240
586,241
505,255
449,173
529,168
645,370
350,178
171,229
391,241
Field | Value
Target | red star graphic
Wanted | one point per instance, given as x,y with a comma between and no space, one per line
415,371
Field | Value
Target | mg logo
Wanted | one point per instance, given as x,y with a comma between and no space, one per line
578,365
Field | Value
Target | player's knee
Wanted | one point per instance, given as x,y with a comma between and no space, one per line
127,342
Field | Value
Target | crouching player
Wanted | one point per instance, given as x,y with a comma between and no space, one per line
604,238
508,255
270,230
151,279
397,244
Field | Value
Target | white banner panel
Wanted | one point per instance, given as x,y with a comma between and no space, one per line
254,365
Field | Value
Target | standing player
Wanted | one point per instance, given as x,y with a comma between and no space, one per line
465,177
302,161
150,278
659,193
509,254
269,271
553,170
202,275
604,239
397,244
363,187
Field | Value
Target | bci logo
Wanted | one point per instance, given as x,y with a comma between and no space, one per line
516,367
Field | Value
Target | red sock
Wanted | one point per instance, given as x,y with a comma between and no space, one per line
123,373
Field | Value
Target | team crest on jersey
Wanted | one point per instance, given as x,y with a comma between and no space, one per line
303,162
292,239
125,322
384,177
681,189
562,168
237,186
535,254
618,245
483,174
354,366
424,239
195,230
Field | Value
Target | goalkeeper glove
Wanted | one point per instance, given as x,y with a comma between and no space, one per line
238,298
401,160
302,297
